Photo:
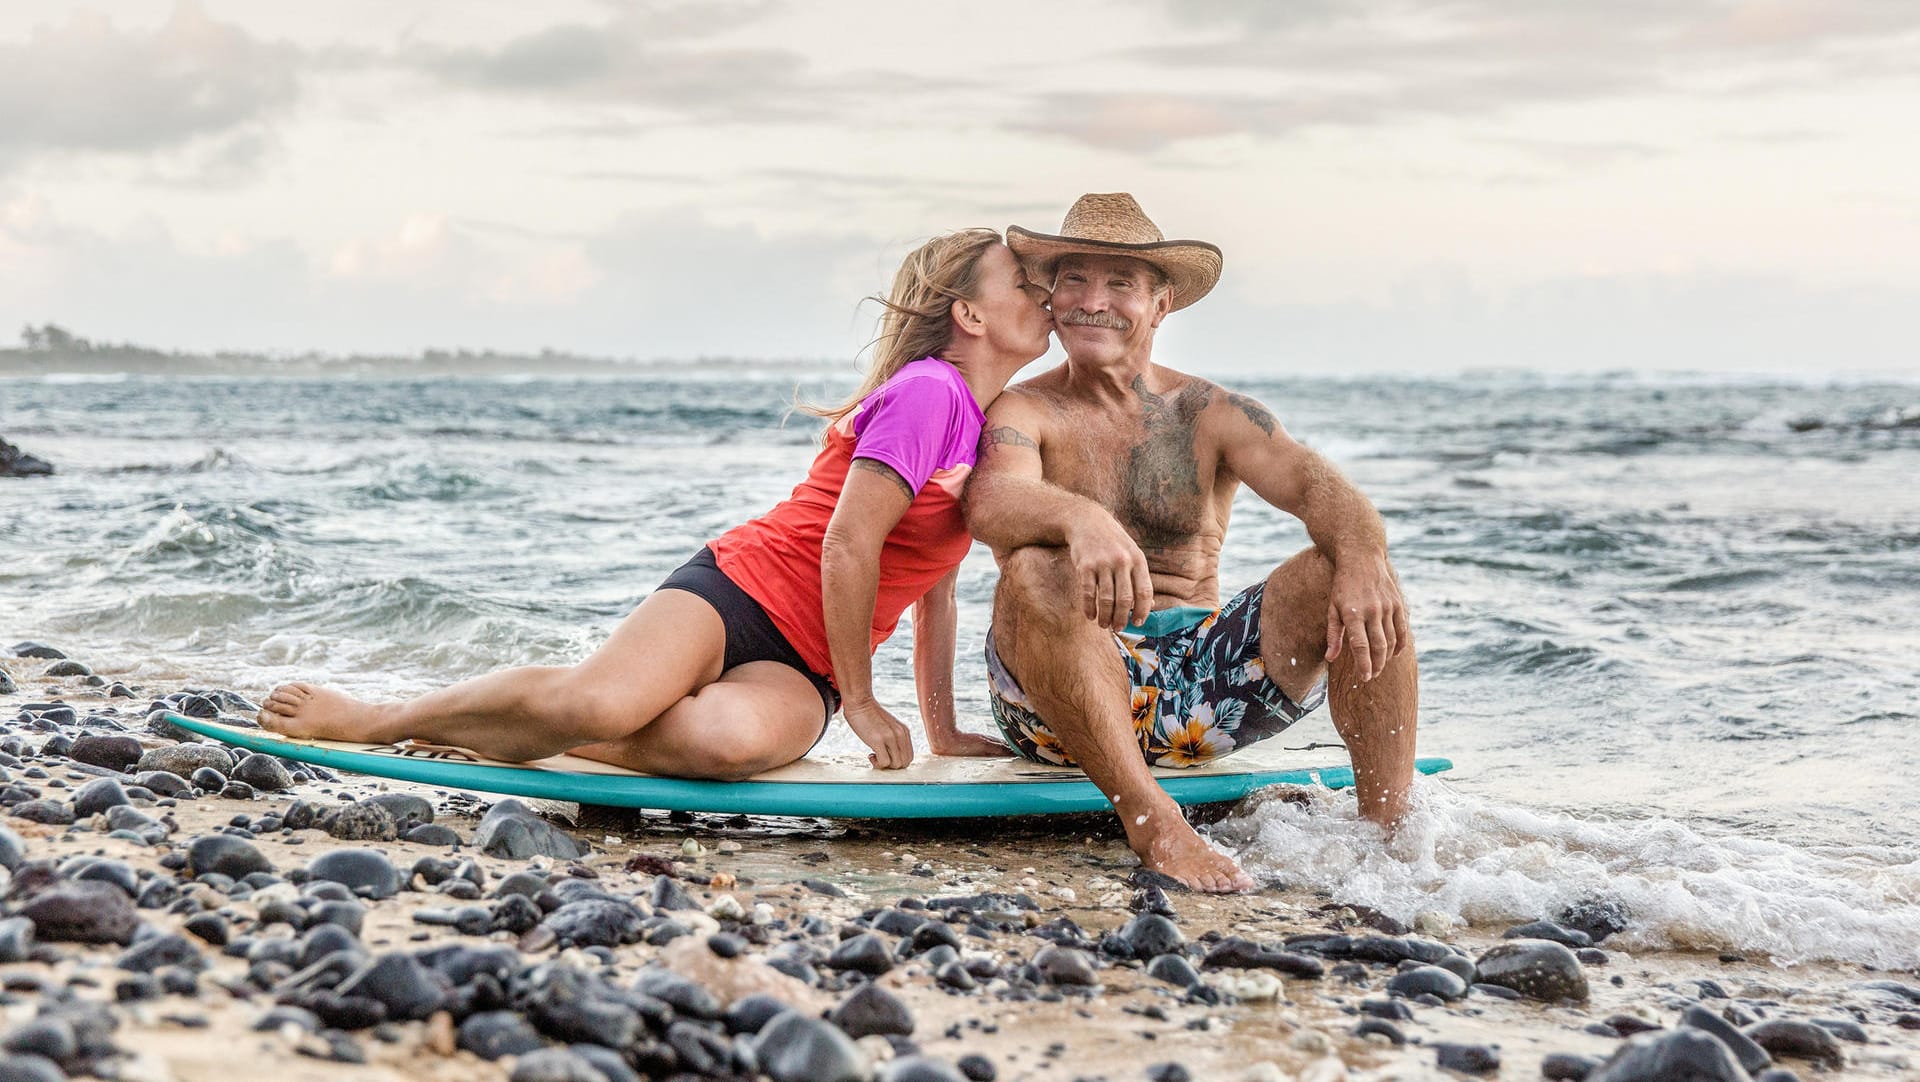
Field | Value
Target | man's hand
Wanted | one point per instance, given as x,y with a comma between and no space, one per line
1366,614
892,744
959,743
1115,587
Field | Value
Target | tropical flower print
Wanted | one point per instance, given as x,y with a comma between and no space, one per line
1198,692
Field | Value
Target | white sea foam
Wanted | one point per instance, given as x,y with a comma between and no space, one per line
1684,886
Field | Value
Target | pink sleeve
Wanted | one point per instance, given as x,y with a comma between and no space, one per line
908,426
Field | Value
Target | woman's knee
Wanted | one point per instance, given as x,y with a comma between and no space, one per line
588,709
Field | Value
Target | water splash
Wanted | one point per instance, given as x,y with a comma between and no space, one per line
1688,887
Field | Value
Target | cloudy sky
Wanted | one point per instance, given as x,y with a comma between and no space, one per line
1397,185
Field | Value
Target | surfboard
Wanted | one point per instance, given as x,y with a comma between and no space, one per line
838,787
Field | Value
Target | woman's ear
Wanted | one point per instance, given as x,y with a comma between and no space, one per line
968,318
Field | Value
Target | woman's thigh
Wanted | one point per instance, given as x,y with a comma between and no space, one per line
754,718
669,647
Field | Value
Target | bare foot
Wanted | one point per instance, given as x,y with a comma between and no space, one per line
316,713
1165,843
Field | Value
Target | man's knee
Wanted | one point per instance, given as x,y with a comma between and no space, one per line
1303,580
1034,582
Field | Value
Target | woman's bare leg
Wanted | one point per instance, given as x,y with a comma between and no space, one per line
671,645
756,717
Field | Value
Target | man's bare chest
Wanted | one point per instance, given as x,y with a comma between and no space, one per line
1146,470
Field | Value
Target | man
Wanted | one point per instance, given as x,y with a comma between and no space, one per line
1104,487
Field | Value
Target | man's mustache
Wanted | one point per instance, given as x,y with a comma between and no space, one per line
1079,317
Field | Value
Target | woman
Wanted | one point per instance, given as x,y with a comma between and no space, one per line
736,664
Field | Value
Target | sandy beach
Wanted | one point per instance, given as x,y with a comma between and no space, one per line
999,950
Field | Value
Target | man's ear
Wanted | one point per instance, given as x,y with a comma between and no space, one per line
967,318
1162,305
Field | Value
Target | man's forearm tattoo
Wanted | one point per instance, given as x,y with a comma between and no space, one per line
886,471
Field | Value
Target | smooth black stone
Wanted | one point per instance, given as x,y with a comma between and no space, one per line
865,953
726,945
1537,968
1803,1040
38,650
1546,929
515,913
12,849
408,811
608,1062
1683,1053
992,905
300,815
287,1015
749,1013
1169,1072
48,1035
1466,1058
95,797
1626,1025
1844,1029
1567,1066
898,922
795,1048
360,821
263,772
105,871
510,830
28,1068
554,1065
236,790
1173,969
1591,956
600,922
492,1034
872,1009
162,783
68,668
211,928
680,993
432,834
364,871
700,1050
1751,1056
408,990
55,813
1065,965
917,1068
208,779
112,752
1386,1008
668,896
1428,980
1381,1026
977,1068
344,913
1151,935
225,855
82,912
1237,953
954,975
16,940
821,886
935,933
165,950
1497,991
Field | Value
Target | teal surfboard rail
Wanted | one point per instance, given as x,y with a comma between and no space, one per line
837,800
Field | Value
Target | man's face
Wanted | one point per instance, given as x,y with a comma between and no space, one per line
1105,308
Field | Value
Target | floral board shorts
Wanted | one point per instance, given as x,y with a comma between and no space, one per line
1199,688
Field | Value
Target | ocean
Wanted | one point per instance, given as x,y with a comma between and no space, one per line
1669,626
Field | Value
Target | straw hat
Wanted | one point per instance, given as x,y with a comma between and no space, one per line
1113,224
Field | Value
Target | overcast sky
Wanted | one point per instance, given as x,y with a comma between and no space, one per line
1399,186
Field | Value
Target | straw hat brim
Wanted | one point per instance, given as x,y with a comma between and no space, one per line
1193,266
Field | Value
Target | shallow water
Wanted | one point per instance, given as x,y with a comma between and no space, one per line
1668,627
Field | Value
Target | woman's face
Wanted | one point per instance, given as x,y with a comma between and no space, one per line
1015,310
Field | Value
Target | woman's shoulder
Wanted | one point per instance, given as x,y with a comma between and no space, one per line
926,384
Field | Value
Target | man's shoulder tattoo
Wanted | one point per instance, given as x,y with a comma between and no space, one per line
1257,413
876,466
1006,434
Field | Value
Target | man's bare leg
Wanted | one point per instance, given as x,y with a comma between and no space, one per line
672,644
1071,670
1376,718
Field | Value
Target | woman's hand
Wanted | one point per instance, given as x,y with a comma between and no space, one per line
959,743
876,727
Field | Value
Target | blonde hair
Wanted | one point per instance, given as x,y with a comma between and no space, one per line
916,321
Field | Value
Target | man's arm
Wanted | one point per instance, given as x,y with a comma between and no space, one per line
1366,611
1010,504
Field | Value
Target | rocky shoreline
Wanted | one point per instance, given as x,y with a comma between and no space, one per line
174,910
